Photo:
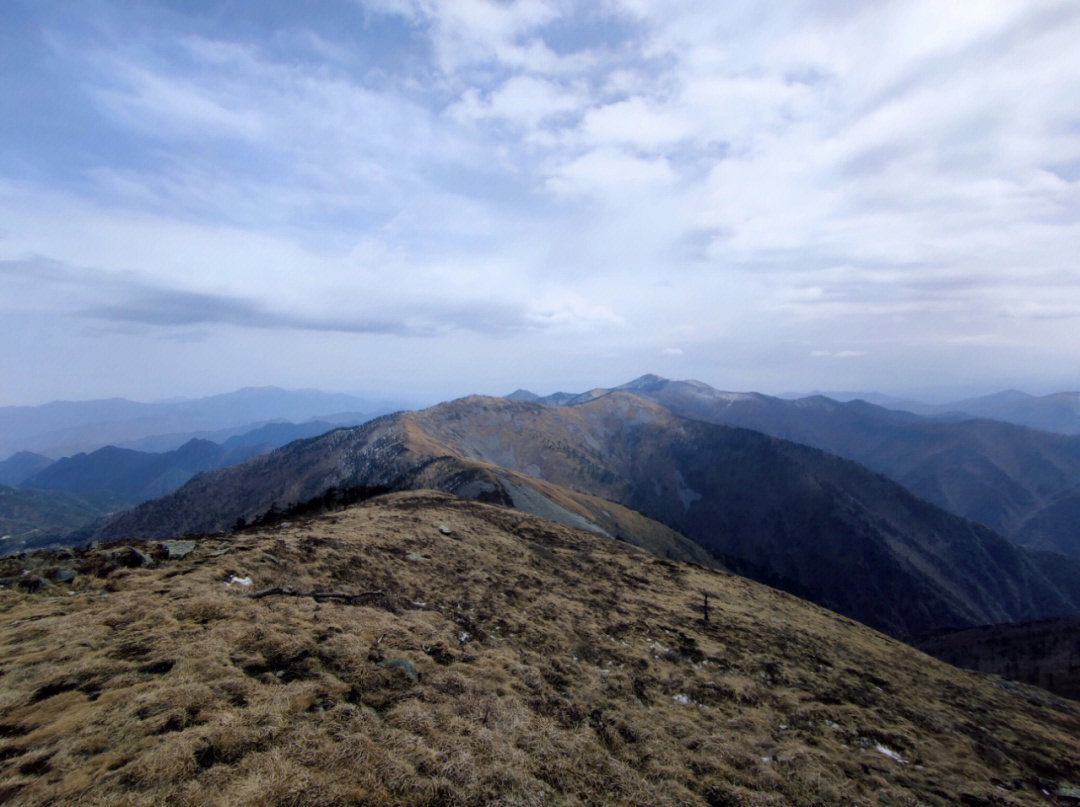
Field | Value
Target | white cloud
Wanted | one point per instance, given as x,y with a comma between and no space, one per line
524,101
885,175
633,122
610,171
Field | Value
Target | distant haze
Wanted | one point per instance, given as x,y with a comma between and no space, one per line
416,200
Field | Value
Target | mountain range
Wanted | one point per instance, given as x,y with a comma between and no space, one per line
45,500
814,524
1057,412
1020,482
21,466
63,428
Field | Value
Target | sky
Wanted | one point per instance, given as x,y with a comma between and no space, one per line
419,199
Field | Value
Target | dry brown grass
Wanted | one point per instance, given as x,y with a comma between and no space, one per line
554,667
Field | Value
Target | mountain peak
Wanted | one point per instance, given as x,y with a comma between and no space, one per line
522,395
647,381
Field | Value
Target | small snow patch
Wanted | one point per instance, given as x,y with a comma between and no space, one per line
681,698
885,751
240,581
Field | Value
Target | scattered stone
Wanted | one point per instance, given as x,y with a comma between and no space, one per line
286,523
240,581
271,558
64,575
415,556
445,530
680,698
400,664
178,550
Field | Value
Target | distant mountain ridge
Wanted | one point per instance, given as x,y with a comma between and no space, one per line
52,499
136,476
1057,412
20,466
1020,482
63,428
819,526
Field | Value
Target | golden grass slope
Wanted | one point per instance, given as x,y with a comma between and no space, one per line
552,667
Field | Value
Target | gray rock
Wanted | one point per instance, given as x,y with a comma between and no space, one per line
445,530
130,557
400,664
64,575
415,556
179,549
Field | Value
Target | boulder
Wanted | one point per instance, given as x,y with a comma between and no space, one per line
400,664
177,550
130,557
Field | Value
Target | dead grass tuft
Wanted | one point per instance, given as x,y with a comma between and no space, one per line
514,663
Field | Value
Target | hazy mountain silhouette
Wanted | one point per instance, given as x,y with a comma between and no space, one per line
136,476
63,428
20,466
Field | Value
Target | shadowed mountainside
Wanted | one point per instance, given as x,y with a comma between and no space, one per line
814,524
422,649
1022,483
38,517
67,495
135,476
1044,653
21,466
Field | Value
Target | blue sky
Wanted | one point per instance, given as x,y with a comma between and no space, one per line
417,199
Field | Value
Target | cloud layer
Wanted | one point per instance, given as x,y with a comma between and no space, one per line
540,193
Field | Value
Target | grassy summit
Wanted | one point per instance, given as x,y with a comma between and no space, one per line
471,654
